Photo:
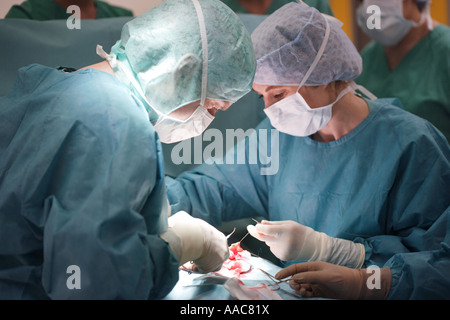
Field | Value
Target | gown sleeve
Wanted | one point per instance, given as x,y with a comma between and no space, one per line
227,191
426,274
416,245
106,204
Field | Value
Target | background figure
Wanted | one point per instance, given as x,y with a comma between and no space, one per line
56,9
269,6
408,59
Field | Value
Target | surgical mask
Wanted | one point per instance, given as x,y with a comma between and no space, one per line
393,27
171,130
292,115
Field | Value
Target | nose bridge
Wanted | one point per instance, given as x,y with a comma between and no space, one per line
219,105
268,102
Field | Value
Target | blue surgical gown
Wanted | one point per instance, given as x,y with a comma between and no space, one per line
385,184
82,193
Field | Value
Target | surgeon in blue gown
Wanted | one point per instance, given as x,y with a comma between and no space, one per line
360,181
83,206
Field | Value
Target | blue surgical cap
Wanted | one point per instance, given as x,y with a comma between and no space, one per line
163,53
287,42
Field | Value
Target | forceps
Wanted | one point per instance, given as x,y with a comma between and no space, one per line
276,282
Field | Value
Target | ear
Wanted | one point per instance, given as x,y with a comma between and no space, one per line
411,10
188,68
317,96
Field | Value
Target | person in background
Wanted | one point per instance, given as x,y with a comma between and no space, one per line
408,59
56,9
269,6
81,167
361,182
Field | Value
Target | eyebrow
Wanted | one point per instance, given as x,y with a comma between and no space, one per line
267,89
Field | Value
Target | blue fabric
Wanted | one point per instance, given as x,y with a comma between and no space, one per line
386,184
51,43
81,183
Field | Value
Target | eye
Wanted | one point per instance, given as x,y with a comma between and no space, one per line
279,96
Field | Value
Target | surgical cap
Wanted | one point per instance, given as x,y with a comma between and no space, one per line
163,51
287,42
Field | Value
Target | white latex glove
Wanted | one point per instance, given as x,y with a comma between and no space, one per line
291,241
193,239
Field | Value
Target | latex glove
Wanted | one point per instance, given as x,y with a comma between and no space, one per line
291,241
193,239
321,279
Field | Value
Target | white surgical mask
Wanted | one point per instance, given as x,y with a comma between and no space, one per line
293,115
393,26
171,130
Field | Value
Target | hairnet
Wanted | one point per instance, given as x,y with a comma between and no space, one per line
163,50
287,42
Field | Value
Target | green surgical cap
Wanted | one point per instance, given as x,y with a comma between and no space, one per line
162,50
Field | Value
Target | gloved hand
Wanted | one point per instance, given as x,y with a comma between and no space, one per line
321,279
291,241
193,239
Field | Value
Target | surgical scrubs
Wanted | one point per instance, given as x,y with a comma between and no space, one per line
386,184
321,5
421,80
50,10
82,193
